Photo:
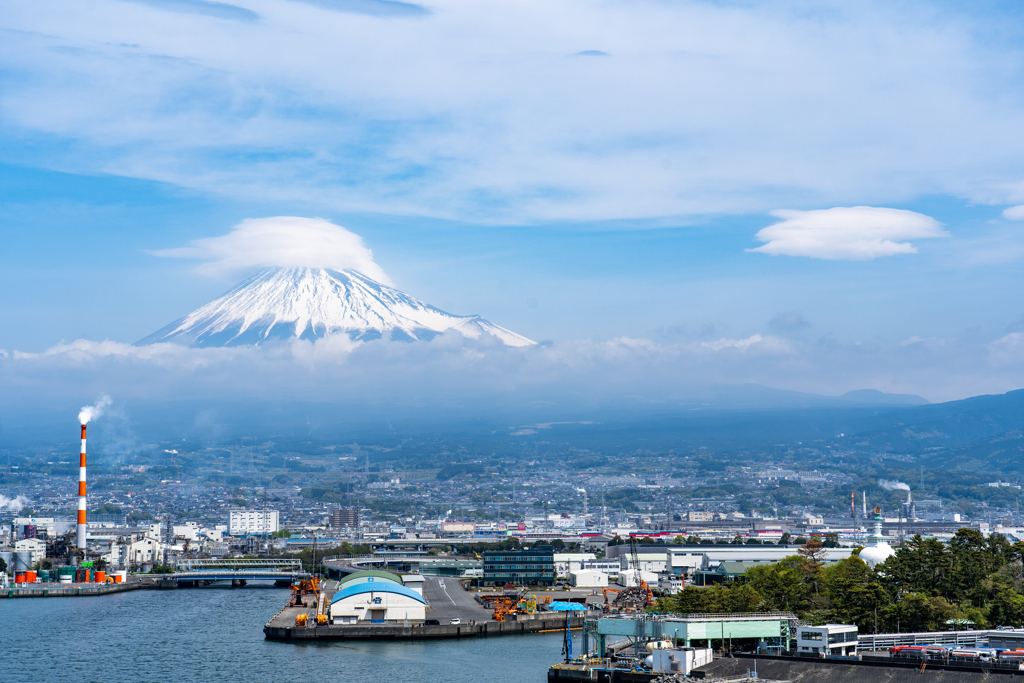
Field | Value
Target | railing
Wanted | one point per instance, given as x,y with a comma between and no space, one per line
191,565
711,616
884,641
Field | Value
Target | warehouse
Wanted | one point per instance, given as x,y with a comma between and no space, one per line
377,601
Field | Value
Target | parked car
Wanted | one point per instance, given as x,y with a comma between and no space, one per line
431,622
456,620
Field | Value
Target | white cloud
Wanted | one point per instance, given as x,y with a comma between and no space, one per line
285,241
854,233
481,111
754,341
1008,349
1014,213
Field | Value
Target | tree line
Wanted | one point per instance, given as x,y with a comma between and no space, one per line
927,585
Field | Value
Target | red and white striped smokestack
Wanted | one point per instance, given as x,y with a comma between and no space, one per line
81,496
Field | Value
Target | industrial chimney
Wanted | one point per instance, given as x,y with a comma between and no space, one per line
81,496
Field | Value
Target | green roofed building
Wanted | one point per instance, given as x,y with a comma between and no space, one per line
369,575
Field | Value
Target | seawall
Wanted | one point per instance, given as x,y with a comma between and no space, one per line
55,590
539,623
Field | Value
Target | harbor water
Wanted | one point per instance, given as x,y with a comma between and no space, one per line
216,634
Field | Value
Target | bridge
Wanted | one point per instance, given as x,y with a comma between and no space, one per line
238,571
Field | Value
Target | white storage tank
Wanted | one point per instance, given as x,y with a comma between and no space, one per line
22,561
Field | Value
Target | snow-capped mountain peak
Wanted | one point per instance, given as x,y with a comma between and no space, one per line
310,303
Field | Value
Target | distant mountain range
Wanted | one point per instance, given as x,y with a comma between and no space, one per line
312,303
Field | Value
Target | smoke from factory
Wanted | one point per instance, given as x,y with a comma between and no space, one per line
890,485
90,412
13,504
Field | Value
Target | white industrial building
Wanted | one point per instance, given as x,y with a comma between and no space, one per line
377,602
252,522
566,563
649,562
586,578
413,582
689,559
684,560
34,546
830,639
609,567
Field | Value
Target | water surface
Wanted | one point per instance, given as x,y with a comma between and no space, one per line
216,635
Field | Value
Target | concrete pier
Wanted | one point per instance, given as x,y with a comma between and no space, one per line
282,627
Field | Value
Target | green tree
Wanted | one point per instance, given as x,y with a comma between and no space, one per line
781,584
1006,607
741,598
693,600
917,612
854,594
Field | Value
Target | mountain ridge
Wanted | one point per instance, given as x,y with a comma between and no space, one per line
312,303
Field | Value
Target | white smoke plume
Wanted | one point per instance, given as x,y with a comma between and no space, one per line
890,485
13,504
89,412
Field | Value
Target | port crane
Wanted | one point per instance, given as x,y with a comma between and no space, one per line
639,595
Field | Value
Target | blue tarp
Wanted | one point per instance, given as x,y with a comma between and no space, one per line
566,607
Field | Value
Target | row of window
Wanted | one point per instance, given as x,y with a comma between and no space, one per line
532,567
515,576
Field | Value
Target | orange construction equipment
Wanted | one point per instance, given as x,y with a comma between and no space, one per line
606,591
508,604
303,587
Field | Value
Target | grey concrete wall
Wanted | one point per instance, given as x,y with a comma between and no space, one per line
417,632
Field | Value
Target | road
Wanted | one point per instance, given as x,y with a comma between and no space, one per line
449,601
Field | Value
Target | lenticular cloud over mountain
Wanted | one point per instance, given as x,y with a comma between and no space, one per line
312,303
284,242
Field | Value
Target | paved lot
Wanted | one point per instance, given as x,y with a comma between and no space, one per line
448,601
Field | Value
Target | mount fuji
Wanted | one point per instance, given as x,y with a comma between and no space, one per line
311,303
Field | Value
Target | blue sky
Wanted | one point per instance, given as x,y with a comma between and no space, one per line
573,171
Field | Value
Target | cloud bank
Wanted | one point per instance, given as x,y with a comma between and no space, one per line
855,233
467,377
282,241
